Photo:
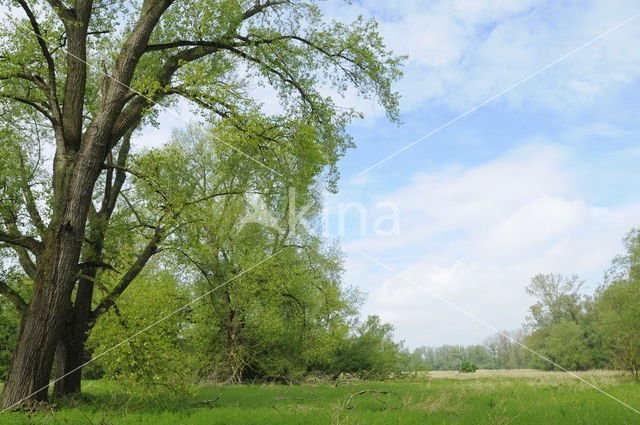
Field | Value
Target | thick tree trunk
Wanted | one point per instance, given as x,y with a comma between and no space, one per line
51,301
77,165
70,354
70,357
40,330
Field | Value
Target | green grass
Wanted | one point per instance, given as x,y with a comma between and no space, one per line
544,399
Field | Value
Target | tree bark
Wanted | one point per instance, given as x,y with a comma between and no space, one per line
42,322
70,353
70,356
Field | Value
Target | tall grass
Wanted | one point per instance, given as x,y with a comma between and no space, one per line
541,398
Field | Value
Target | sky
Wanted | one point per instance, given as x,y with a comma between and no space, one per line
539,178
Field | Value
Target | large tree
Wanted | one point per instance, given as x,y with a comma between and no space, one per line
617,308
83,75
559,322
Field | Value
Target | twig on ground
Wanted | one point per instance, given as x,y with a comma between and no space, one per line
347,404
213,400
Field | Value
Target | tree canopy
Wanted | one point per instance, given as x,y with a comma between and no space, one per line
84,210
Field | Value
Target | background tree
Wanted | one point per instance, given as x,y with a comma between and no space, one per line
83,77
506,350
558,322
618,308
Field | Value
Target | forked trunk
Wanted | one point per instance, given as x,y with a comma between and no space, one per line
70,357
41,325
71,353
50,304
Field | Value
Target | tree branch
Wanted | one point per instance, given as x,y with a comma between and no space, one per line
261,7
21,241
197,98
36,79
121,176
279,73
30,200
13,296
41,42
143,258
51,89
30,102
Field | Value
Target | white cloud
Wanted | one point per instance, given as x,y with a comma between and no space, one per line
476,236
463,52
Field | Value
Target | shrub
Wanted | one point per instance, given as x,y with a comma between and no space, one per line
467,367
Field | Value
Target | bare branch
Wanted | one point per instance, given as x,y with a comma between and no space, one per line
347,404
198,99
183,43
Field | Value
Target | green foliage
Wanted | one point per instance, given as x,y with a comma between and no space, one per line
563,342
560,324
9,321
275,323
369,351
467,367
9,314
450,357
153,361
618,308
619,322
558,299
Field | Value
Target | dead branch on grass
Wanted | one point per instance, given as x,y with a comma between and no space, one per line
347,404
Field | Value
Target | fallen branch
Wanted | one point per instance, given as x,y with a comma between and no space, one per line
213,400
347,404
288,398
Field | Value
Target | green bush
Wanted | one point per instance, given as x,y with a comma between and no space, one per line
370,352
467,367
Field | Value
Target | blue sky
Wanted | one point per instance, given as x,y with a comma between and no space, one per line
542,179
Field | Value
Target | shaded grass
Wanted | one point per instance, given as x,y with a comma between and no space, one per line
540,399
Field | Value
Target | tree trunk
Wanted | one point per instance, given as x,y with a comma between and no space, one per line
70,354
70,357
42,323
51,301
77,164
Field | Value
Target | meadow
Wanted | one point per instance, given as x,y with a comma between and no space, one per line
484,397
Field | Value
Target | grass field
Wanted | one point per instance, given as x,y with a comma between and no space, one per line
496,397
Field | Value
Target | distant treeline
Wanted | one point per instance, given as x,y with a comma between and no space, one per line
498,352
565,328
